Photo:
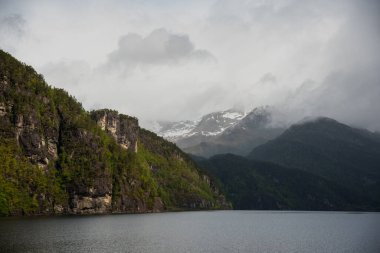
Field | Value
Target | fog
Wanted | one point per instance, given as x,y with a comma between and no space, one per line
174,60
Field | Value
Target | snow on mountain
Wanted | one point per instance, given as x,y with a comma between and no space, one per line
211,124
254,129
175,130
233,115
229,131
217,122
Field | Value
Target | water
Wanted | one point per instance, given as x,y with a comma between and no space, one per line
219,231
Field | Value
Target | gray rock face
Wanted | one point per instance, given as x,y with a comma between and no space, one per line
125,131
3,110
122,128
92,205
39,146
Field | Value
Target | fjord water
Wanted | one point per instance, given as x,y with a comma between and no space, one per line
218,231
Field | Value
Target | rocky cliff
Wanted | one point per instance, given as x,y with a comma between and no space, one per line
124,129
58,158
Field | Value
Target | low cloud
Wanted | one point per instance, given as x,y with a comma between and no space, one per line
144,77
350,89
306,58
67,73
12,29
12,24
160,47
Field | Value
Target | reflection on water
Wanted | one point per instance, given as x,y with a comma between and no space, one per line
218,231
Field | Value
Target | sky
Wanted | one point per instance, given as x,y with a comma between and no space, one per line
176,60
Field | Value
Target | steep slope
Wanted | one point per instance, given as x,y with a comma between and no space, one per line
348,156
251,131
58,158
179,182
262,185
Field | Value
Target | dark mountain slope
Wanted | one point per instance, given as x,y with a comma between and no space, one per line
348,156
58,158
261,185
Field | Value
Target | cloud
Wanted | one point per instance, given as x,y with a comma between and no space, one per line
268,78
322,56
12,29
158,47
306,58
67,73
144,76
13,24
350,89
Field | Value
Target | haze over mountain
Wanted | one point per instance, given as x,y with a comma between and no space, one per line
229,131
180,60
316,164
330,149
251,131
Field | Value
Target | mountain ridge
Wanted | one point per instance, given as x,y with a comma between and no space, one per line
210,124
316,164
253,184
254,129
325,147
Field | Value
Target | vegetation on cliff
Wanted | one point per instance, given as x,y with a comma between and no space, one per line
56,158
24,187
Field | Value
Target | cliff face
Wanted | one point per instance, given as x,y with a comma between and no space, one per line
124,129
39,147
172,180
58,158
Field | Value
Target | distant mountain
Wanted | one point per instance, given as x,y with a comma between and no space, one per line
57,158
256,128
347,156
173,131
250,184
188,133
230,131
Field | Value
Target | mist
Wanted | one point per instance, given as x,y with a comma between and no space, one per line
175,60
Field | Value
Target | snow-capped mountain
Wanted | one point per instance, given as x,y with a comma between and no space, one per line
211,124
173,131
230,131
254,129
217,122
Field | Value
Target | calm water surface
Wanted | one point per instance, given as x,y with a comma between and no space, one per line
219,231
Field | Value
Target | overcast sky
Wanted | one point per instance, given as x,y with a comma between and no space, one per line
172,60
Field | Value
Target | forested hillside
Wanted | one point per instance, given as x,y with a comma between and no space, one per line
58,158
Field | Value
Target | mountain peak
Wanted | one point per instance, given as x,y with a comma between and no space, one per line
211,124
320,124
228,131
215,123
319,119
